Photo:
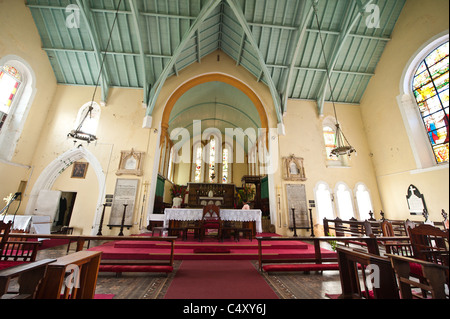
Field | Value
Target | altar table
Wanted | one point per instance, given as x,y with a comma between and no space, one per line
238,215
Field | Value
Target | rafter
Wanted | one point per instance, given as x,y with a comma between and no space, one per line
349,22
273,90
88,18
145,65
156,89
294,48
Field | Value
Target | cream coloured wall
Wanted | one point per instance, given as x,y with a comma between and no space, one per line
375,127
304,138
393,157
23,41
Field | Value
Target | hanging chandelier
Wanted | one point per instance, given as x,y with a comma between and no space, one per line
342,146
78,134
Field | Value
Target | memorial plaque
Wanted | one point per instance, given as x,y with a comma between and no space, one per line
125,193
416,201
296,196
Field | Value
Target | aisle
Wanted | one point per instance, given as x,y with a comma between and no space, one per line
219,279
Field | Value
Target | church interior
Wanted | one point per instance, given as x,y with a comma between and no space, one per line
288,119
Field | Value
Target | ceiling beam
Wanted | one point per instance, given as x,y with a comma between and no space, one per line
348,23
273,90
139,31
294,49
156,89
88,18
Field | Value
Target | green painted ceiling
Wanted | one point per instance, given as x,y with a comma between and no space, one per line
275,40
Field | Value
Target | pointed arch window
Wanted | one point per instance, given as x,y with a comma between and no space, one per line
198,161
212,160
324,202
329,136
363,201
91,119
344,201
10,81
227,164
431,90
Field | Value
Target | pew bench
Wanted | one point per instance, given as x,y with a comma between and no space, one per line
80,269
29,277
350,261
18,252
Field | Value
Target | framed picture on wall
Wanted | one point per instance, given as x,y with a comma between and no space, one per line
130,163
79,170
293,169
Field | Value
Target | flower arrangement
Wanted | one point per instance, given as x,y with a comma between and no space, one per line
178,191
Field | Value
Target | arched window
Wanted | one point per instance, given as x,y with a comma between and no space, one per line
197,163
91,120
10,80
363,201
431,90
212,170
227,164
17,90
324,203
344,201
329,136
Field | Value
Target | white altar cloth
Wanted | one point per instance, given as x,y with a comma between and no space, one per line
238,215
29,223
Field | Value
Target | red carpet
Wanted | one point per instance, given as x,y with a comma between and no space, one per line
219,279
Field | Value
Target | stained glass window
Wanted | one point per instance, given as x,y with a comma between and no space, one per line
330,142
430,86
225,165
212,160
10,80
198,164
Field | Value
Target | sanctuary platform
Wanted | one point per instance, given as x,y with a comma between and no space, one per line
210,249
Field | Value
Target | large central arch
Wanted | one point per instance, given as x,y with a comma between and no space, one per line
185,87
214,77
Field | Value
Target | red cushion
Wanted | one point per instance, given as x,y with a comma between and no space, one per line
415,269
135,268
300,267
4,264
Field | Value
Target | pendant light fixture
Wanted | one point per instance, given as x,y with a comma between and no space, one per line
78,134
343,147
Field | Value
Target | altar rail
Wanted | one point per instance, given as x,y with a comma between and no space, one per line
118,266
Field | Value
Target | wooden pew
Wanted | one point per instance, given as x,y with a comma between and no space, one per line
29,276
385,287
15,252
351,228
435,275
87,262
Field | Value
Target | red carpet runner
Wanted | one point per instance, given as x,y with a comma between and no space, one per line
218,279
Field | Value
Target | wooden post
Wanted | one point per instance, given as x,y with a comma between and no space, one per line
293,221
123,219
101,221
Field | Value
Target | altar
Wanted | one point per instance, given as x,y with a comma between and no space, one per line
193,214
